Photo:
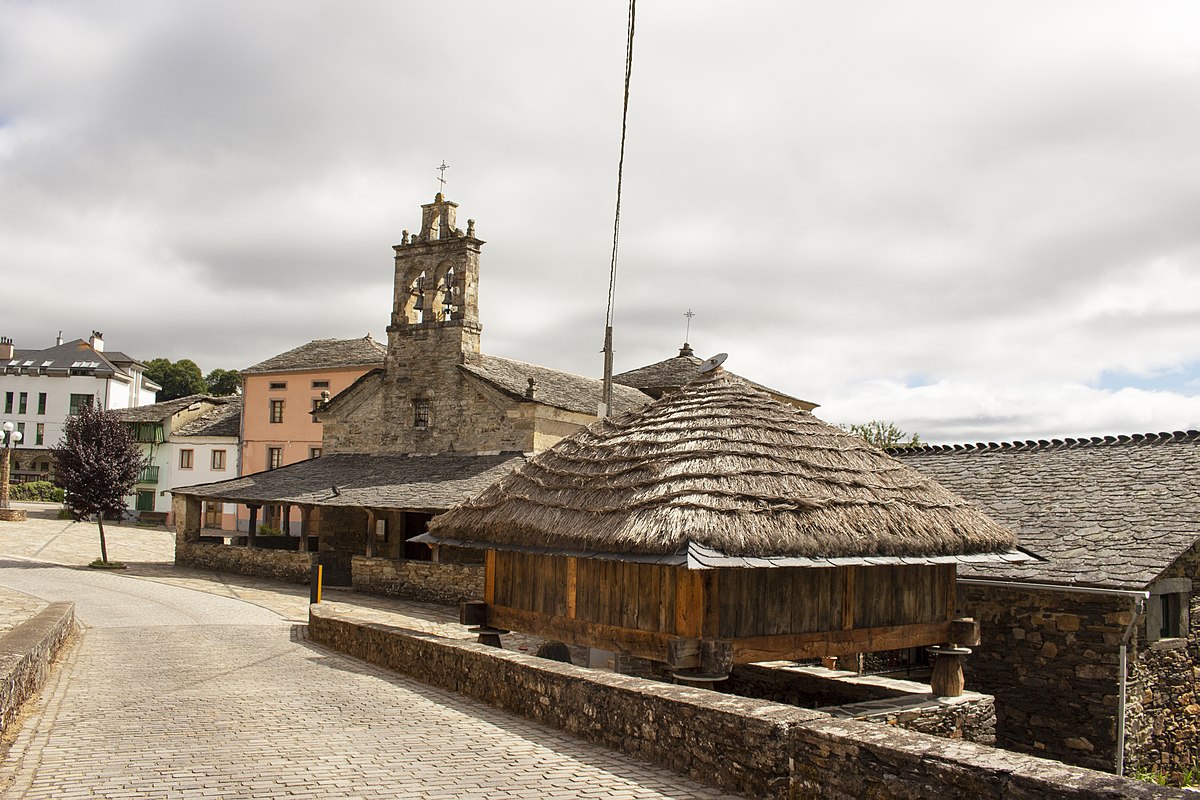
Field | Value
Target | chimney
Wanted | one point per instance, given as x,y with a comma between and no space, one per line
6,348
58,341
97,341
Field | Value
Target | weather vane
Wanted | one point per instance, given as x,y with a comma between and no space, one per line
442,176
688,330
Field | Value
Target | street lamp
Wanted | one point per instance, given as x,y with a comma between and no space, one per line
8,439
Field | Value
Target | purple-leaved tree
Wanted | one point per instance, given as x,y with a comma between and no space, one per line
97,463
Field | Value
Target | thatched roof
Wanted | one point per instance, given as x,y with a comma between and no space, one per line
720,466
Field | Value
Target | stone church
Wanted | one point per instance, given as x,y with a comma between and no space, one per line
437,424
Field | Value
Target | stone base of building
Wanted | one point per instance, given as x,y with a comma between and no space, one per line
283,565
12,515
423,581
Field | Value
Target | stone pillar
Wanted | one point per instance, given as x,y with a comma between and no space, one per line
189,516
305,524
370,533
252,531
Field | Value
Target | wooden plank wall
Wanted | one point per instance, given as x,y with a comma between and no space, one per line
531,582
902,595
765,602
626,595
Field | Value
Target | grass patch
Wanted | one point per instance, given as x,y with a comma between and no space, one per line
98,564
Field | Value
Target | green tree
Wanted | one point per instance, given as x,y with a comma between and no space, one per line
178,379
98,464
222,382
883,434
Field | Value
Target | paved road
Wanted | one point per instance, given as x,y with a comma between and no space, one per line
177,693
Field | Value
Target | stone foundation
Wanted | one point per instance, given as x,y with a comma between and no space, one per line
281,565
25,655
753,747
12,515
424,581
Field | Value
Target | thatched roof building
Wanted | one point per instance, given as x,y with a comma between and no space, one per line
719,526
718,472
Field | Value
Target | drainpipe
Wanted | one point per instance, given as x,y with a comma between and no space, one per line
1138,608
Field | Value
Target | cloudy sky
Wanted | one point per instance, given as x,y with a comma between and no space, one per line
978,220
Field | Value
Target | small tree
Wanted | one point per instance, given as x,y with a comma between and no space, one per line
179,379
883,434
222,382
98,464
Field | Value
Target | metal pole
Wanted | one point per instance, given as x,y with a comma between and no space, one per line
1139,606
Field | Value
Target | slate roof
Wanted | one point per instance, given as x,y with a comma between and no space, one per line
670,374
61,358
555,388
401,481
324,354
224,420
1109,512
160,412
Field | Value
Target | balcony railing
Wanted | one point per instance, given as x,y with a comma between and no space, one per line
148,475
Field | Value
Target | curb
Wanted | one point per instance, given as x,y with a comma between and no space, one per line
26,653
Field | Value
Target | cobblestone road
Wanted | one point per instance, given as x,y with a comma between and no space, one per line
178,693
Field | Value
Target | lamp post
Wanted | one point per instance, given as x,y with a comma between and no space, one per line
8,439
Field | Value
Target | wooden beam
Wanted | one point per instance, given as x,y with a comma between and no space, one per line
572,585
689,603
795,646
489,577
643,644
850,572
964,632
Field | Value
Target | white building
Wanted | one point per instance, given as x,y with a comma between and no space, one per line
190,440
40,389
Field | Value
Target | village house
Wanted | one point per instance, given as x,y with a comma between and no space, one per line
280,395
1093,653
184,440
43,387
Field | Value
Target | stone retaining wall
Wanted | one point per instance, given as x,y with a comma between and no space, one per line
281,565
755,747
424,581
25,655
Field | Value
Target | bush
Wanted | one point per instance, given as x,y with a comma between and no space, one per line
44,491
267,530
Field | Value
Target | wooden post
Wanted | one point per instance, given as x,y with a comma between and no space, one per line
252,531
848,598
489,577
572,585
285,519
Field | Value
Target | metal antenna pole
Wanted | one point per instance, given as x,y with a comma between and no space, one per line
442,175
688,330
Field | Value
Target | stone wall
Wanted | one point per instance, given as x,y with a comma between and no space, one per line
754,747
25,655
907,704
1163,711
1051,661
425,581
283,565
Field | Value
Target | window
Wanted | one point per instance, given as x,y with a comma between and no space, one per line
41,402
41,433
314,452
276,411
320,384
8,398
23,403
421,414
274,457
218,459
278,385
78,403
185,459
21,430
1167,619
316,404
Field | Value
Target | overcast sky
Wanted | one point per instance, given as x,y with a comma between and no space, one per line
979,220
